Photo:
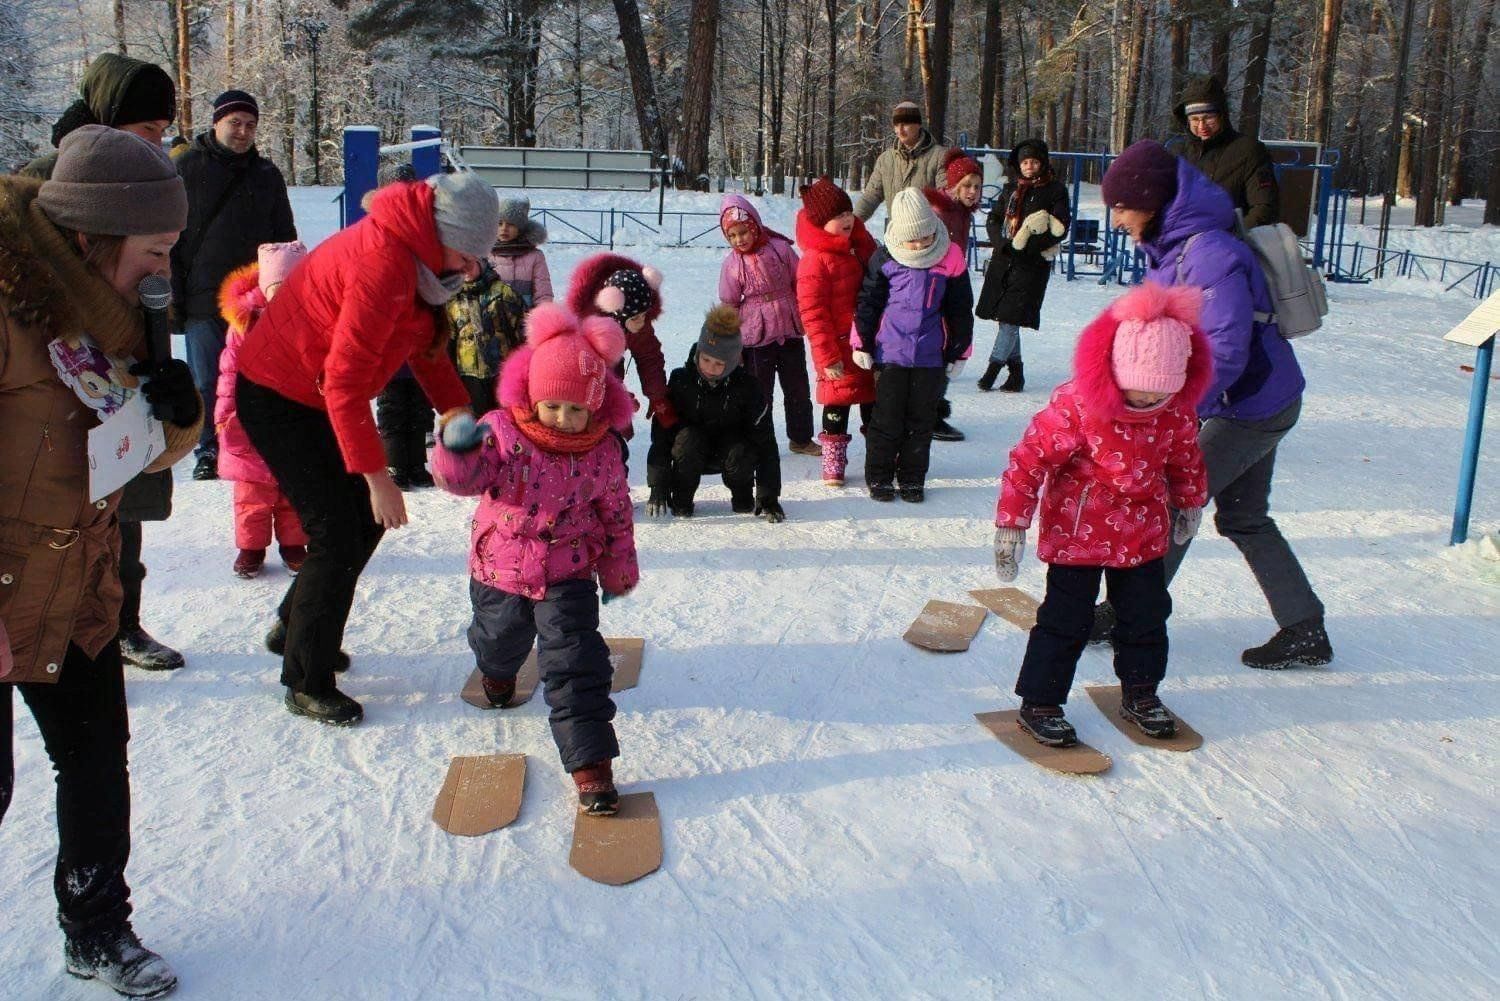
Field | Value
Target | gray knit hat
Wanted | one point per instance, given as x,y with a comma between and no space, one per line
467,212
912,218
720,337
113,183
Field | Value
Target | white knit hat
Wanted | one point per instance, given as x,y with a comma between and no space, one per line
913,219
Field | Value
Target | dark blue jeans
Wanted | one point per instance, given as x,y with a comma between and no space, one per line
205,342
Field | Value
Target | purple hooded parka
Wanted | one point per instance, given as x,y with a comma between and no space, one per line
762,284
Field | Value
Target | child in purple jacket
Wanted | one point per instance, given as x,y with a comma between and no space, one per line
759,279
554,518
913,322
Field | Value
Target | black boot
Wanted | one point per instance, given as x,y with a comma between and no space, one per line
1016,380
117,960
276,643
1104,623
882,492
1305,643
913,493
138,649
207,467
742,502
334,708
1139,705
991,373
1047,724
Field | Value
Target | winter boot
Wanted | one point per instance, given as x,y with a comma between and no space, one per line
293,557
248,563
1139,705
1016,380
138,649
943,431
805,448
1047,724
399,477
117,960
334,707
1305,643
835,458
419,478
207,467
1104,623
742,503
498,692
913,493
991,373
883,492
657,502
276,643
596,789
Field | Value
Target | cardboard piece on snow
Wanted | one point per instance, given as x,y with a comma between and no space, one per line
625,657
1080,759
945,627
1107,698
480,794
1479,326
620,849
1010,603
526,682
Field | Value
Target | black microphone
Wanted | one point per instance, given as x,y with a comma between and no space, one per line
156,295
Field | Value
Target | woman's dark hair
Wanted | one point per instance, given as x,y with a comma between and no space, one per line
100,251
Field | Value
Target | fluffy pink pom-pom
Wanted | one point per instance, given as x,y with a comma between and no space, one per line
549,320
1150,301
605,337
610,299
652,276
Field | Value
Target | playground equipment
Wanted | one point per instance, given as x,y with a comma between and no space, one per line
1478,331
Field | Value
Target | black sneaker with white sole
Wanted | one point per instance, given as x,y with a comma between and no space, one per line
1302,645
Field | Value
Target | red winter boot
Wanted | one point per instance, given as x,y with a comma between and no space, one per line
596,789
835,457
294,557
248,563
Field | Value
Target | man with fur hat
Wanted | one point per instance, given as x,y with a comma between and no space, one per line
915,160
1239,164
723,425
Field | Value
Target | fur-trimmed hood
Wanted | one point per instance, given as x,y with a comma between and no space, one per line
589,278
240,298
1093,371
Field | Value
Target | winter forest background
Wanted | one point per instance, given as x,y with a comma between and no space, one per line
701,78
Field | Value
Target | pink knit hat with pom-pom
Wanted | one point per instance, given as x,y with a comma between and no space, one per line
570,358
1154,338
277,261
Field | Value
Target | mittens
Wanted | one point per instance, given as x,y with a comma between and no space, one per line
170,391
955,368
605,597
461,434
1010,547
864,360
1185,525
664,412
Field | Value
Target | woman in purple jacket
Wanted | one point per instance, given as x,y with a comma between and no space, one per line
1183,222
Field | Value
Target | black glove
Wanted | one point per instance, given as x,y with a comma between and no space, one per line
170,391
770,510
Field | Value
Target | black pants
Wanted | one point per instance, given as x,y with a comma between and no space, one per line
84,727
836,418
481,394
132,573
404,417
787,361
1142,604
297,442
689,452
898,444
571,656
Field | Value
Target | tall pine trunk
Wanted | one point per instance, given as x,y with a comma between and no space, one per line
697,91
998,116
831,7
942,58
1182,42
184,71
120,27
1463,139
638,61
1255,69
1325,63
988,58
1435,51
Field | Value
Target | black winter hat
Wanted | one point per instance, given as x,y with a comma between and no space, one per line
231,101
149,97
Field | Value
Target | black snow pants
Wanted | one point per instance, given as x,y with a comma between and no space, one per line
898,440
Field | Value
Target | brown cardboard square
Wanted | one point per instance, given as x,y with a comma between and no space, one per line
1010,603
480,794
620,849
625,656
1080,759
945,627
1107,698
526,682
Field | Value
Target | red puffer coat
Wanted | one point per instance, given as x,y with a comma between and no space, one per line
828,280
348,317
1104,475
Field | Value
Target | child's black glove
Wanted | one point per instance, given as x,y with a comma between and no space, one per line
170,391
770,510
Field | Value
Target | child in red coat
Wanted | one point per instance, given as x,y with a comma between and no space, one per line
1114,463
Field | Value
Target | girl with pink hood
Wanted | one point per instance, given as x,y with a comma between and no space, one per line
554,523
1113,461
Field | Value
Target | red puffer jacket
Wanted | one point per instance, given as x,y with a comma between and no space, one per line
1104,475
828,280
348,317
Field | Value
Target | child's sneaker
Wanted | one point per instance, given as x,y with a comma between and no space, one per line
883,492
293,557
1047,724
498,692
596,789
248,563
1305,643
1140,706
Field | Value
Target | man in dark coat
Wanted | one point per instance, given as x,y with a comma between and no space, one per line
237,200
723,423
1239,164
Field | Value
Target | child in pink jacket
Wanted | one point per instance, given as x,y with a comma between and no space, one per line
554,518
517,255
259,505
760,280
1114,464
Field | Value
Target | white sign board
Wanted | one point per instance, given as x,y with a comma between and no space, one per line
1479,326
122,446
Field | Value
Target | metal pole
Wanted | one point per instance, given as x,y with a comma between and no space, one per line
661,201
760,105
1478,394
1393,151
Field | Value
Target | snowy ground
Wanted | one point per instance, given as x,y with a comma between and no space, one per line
836,823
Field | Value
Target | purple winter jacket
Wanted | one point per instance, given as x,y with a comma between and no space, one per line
915,317
762,285
1256,374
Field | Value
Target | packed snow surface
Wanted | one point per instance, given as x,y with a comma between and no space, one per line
836,823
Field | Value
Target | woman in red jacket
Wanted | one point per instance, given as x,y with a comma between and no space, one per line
362,305
835,249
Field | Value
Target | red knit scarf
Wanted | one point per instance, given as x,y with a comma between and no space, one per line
552,440
1018,198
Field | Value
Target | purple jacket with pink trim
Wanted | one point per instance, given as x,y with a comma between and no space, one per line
915,317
